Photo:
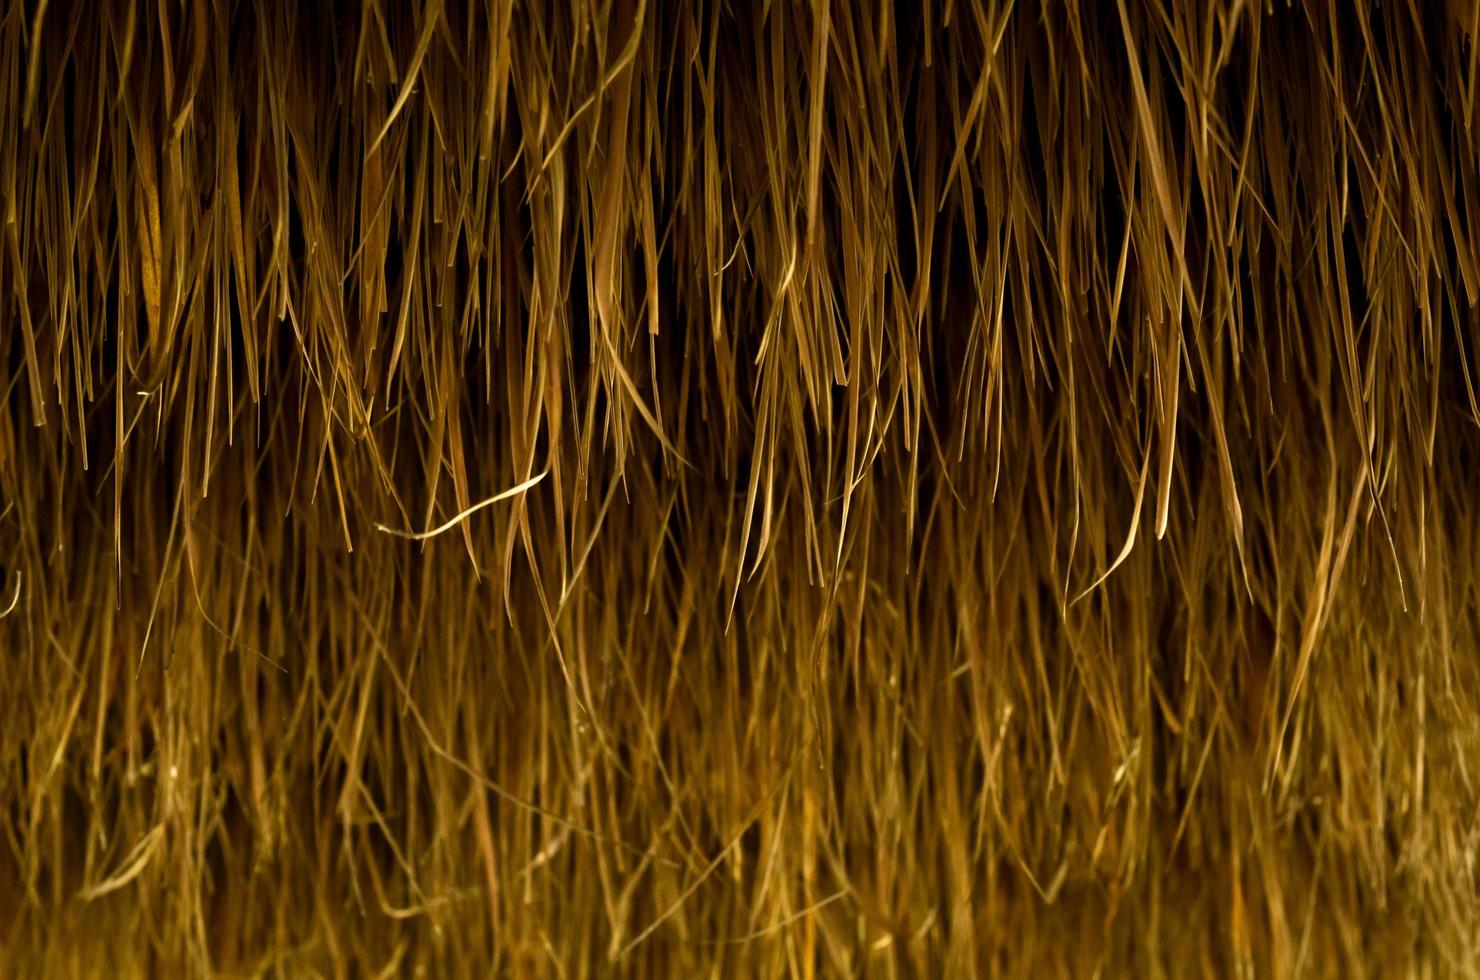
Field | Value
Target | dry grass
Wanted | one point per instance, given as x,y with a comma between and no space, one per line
994,488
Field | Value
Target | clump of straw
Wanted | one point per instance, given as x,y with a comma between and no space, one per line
750,489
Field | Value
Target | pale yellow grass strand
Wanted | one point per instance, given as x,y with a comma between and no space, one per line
454,521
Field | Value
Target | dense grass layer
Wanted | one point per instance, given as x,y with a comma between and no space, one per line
684,489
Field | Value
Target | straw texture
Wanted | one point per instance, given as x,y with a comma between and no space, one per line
634,488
